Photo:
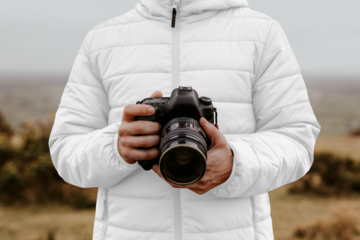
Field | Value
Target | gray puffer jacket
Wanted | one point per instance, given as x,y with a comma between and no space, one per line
239,58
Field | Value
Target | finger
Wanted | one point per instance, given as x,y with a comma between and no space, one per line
156,169
211,131
141,128
140,141
133,110
157,93
141,154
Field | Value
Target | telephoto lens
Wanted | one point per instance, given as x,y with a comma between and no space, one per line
183,151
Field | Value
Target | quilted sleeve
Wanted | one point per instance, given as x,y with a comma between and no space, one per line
282,148
83,147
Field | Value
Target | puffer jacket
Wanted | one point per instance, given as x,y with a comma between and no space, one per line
239,58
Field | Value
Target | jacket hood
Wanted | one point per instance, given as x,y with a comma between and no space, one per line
163,8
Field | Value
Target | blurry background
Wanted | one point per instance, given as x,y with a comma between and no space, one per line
38,43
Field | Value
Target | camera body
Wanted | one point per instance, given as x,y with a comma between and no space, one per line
179,117
183,102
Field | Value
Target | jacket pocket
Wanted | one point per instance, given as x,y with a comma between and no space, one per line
105,213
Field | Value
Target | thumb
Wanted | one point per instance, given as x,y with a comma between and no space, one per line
157,93
211,131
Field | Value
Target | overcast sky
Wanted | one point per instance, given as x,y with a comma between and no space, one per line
42,36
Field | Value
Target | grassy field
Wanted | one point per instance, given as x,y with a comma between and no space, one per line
335,103
288,212
40,223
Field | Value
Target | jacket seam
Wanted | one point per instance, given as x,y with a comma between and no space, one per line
76,110
281,108
246,103
253,215
130,45
118,75
278,79
115,226
121,74
262,54
114,25
234,102
225,41
266,19
217,69
162,199
230,230
279,49
83,84
263,219
235,229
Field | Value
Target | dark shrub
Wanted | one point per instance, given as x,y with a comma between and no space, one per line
27,174
5,128
342,227
330,175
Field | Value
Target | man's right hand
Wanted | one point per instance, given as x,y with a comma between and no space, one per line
129,141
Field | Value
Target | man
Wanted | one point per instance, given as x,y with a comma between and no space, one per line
239,58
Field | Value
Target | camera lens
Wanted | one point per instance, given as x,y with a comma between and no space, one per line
183,151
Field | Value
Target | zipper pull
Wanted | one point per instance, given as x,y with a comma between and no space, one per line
174,13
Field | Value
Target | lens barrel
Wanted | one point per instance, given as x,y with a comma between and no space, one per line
183,151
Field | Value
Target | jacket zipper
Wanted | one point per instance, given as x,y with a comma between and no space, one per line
177,201
175,25
175,28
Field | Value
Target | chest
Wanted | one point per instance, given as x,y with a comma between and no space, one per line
216,62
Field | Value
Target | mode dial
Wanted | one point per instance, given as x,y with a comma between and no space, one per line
205,100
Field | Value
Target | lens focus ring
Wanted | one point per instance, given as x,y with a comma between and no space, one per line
183,151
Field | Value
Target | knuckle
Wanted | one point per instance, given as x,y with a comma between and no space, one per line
142,142
122,141
121,131
138,127
145,155
157,139
125,153
158,127
200,192
127,109
156,152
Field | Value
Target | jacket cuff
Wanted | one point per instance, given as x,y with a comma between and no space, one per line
118,156
245,171
230,179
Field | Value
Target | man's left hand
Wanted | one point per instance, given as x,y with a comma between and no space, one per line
219,161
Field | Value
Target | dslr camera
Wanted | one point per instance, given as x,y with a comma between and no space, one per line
183,142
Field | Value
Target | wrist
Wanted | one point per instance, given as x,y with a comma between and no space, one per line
232,174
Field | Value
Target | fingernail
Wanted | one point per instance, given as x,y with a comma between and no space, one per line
156,167
151,110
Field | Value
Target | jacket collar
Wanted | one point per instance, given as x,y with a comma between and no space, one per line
188,9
